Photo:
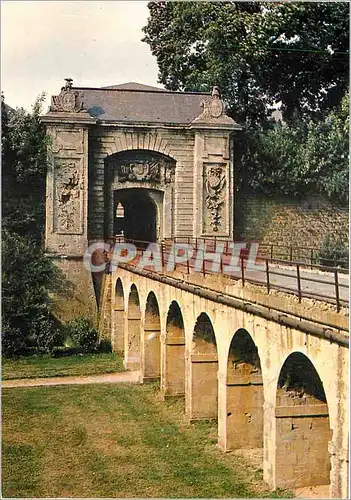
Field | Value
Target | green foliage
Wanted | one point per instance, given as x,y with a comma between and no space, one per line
24,164
82,334
260,54
334,252
27,279
257,53
105,346
13,342
301,158
45,335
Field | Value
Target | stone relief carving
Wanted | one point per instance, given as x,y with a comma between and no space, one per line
214,111
169,174
145,171
214,106
69,186
69,100
215,182
139,171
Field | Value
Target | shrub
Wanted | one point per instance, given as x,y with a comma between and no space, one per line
28,278
13,343
63,351
44,334
105,346
82,334
334,252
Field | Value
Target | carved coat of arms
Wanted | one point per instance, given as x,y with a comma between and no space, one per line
146,171
69,100
139,171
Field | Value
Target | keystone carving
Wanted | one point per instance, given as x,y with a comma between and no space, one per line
69,100
215,181
68,189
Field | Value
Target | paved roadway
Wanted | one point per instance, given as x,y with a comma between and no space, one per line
285,278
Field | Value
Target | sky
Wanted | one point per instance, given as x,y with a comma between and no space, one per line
95,43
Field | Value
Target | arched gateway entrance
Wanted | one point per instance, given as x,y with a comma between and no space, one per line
139,183
140,219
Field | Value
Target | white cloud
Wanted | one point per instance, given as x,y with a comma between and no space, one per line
95,43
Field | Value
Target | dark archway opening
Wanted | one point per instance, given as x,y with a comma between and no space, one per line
173,383
302,426
135,214
204,367
152,340
244,395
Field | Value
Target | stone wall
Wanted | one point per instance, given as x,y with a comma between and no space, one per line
80,298
285,221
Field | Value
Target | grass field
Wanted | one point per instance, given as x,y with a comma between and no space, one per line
114,441
46,366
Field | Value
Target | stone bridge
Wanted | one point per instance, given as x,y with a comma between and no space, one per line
273,381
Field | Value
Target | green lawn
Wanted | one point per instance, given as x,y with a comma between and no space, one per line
46,366
114,441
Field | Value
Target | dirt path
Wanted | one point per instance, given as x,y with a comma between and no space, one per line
108,378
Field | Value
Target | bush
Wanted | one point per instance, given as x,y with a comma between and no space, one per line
334,252
44,335
63,351
105,346
13,343
82,334
28,278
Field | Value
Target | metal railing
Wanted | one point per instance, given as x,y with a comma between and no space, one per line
275,274
304,255
308,255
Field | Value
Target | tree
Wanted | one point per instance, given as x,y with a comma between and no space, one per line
301,158
24,163
28,277
257,53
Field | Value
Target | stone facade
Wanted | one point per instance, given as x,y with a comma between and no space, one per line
184,166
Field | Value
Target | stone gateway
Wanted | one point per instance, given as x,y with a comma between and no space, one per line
166,157
141,161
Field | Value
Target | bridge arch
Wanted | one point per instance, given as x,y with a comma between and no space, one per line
133,331
202,393
173,373
151,342
302,425
245,395
117,340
